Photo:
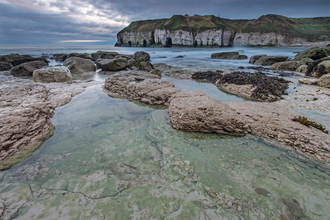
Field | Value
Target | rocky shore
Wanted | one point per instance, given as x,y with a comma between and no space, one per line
133,77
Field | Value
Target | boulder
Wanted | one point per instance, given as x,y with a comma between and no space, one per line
195,111
52,74
313,53
81,55
156,72
103,55
324,81
308,81
254,58
269,60
140,64
27,69
112,64
16,59
302,69
286,65
305,61
60,57
141,55
5,66
228,55
78,65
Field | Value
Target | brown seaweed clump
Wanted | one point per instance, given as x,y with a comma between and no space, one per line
268,88
312,67
306,122
210,76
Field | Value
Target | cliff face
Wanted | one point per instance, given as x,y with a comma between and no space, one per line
211,31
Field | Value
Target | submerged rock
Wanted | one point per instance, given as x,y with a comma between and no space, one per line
195,111
173,71
78,65
52,74
292,209
26,69
228,55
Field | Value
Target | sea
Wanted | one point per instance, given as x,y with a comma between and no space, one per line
114,159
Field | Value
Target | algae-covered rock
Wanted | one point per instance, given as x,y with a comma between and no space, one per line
26,69
270,60
141,55
112,64
305,61
313,53
254,58
104,55
81,55
286,65
140,64
5,66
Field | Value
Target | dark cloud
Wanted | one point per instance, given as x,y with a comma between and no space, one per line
43,22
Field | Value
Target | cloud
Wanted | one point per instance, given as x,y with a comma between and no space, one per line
50,21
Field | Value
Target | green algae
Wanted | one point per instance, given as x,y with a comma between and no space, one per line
82,172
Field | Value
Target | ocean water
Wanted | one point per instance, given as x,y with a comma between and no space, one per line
113,159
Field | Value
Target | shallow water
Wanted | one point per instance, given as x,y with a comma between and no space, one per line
194,58
113,159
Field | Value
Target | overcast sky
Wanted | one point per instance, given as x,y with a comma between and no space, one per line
98,21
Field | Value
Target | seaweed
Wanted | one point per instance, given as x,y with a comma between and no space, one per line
265,87
313,67
305,121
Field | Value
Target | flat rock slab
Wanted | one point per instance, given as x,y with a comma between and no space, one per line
195,111
25,111
141,86
273,121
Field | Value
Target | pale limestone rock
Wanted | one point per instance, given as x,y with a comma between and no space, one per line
195,111
324,81
78,65
308,81
52,74
286,65
140,86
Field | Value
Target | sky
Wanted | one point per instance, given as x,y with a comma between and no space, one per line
90,22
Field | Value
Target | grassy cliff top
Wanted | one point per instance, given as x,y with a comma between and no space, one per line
311,28
188,23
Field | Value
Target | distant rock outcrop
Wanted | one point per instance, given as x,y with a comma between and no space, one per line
212,31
